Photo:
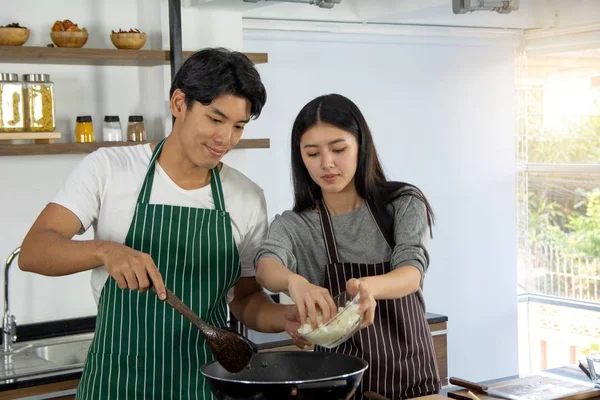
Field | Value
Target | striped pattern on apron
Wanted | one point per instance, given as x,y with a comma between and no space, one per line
398,346
143,349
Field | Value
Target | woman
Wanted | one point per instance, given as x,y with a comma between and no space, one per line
352,229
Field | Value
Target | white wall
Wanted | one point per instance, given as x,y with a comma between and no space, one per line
442,118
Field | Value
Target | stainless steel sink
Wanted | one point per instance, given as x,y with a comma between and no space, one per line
44,357
69,353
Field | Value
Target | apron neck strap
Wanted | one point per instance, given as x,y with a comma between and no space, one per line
389,236
144,196
215,181
333,254
217,189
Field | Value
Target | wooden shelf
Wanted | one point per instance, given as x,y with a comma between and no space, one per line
90,56
82,148
29,135
254,144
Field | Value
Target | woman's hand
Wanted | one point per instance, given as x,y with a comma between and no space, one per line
367,301
308,297
292,324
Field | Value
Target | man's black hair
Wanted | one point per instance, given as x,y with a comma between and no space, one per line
213,72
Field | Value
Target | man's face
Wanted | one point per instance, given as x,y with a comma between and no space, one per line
209,132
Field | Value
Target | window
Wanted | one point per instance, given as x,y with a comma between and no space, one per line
558,181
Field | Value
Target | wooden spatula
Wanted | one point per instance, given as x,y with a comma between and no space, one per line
231,350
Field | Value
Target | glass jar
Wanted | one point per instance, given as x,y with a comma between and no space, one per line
11,103
135,129
39,103
111,130
84,129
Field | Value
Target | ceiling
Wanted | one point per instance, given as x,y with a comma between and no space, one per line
531,14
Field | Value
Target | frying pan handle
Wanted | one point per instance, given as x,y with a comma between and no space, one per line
322,385
469,385
373,396
251,343
585,370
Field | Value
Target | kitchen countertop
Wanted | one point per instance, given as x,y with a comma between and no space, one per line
436,318
35,371
569,373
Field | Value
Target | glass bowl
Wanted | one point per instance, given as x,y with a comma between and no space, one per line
339,328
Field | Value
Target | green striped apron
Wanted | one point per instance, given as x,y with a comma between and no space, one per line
142,349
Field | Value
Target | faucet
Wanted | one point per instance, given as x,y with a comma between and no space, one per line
9,323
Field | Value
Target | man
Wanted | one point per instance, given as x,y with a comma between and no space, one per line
165,214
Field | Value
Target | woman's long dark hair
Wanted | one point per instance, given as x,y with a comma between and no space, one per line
371,183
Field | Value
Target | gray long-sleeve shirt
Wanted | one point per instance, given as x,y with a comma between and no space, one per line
297,241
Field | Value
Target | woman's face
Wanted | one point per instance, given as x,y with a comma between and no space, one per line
330,155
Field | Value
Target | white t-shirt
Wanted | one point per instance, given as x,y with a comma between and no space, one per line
103,189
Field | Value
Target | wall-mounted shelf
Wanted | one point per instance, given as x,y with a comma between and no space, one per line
29,135
82,148
94,56
38,137
90,56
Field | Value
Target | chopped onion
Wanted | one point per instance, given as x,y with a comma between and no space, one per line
338,327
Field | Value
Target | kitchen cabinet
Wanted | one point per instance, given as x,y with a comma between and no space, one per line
439,332
55,390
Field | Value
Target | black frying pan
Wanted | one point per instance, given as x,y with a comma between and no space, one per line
284,375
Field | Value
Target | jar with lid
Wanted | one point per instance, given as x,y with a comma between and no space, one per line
11,103
39,103
84,129
135,129
111,130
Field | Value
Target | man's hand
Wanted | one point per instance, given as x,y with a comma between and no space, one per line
132,269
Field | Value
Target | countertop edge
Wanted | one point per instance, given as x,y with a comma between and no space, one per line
45,379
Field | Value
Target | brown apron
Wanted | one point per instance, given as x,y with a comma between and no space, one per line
398,346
